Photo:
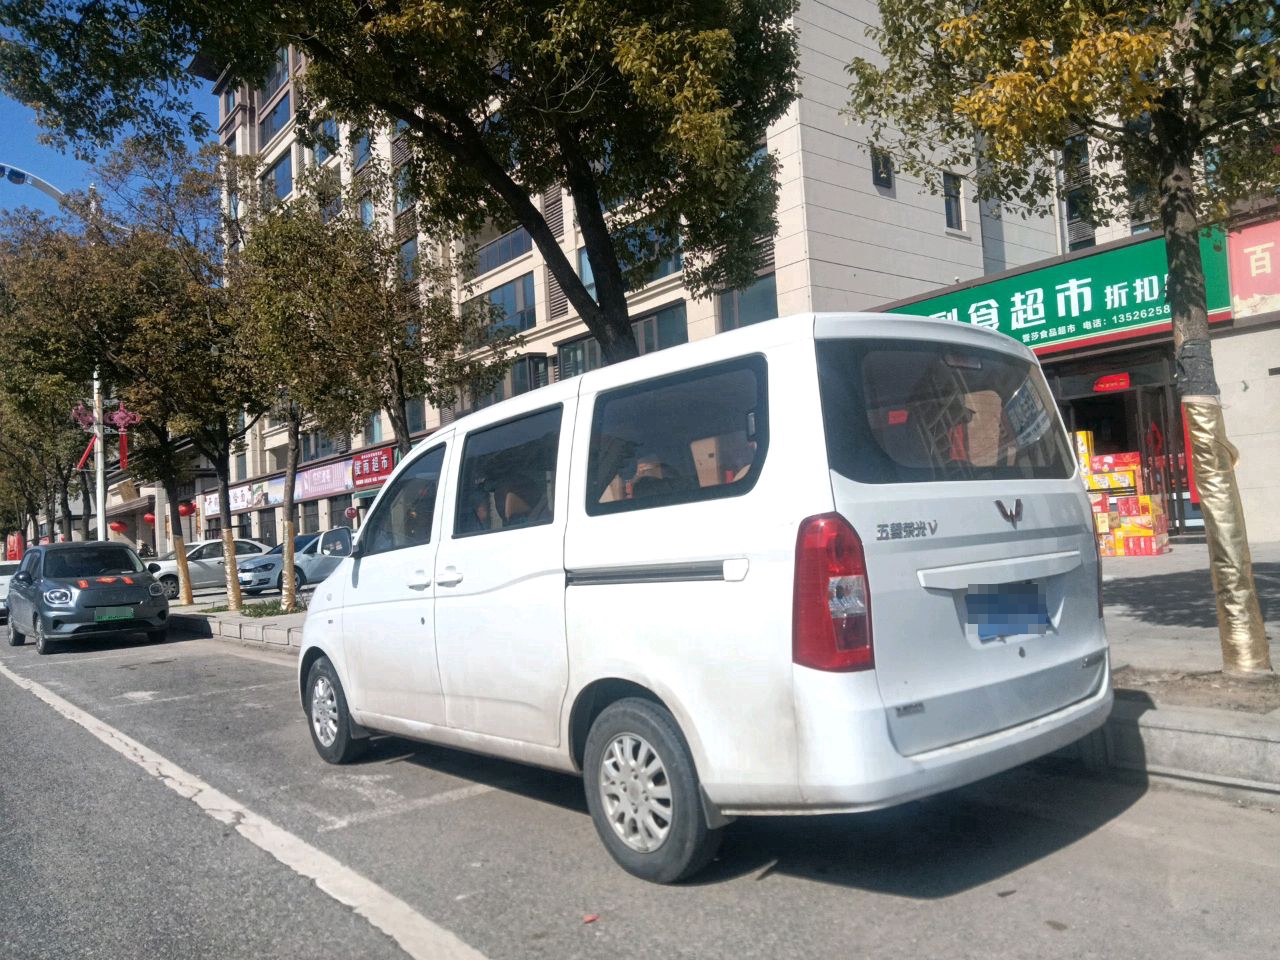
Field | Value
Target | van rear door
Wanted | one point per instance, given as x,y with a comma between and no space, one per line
949,459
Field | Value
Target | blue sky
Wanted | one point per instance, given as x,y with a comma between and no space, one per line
19,147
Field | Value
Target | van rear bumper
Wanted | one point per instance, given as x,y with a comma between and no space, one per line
849,763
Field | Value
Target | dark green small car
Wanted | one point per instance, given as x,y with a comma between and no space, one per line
65,591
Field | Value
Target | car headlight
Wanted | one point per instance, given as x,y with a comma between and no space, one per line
58,597
156,590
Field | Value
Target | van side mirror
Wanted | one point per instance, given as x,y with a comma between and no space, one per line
153,568
23,578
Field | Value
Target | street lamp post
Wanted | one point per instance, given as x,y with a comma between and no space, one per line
21,178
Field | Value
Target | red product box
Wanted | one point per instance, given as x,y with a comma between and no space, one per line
1128,506
1100,502
1106,462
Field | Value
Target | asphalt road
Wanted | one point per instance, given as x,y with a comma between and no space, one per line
165,801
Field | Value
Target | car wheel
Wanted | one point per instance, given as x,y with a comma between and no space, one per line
330,721
170,585
158,636
43,644
251,593
643,794
16,638
299,577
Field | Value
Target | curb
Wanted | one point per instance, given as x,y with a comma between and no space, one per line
254,631
1218,751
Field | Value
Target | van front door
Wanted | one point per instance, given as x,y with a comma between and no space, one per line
388,598
499,575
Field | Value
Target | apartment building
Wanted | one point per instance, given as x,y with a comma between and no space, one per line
853,233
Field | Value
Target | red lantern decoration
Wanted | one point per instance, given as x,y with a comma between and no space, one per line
117,527
186,509
149,519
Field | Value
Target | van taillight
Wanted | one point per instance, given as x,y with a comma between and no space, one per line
831,609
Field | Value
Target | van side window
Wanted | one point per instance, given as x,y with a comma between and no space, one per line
404,517
509,475
698,435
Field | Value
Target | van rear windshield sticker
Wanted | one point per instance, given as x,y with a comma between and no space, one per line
906,530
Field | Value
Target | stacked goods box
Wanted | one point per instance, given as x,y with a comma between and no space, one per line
1084,450
1128,522
1143,527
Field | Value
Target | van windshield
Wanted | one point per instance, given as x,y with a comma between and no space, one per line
907,411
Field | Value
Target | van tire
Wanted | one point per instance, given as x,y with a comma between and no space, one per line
648,727
16,637
326,696
44,646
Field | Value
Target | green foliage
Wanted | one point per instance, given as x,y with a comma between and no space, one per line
994,89
649,112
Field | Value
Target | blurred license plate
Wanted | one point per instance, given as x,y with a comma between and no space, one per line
113,613
1007,610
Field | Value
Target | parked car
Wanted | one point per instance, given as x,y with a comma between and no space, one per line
7,569
824,563
89,589
205,562
315,556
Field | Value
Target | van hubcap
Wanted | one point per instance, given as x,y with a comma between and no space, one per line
324,712
636,793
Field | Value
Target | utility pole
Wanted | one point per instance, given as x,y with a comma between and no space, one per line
99,457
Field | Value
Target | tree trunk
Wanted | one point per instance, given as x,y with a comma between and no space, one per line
223,467
64,506
400,426
289,582
1240,628
48,510
86,499
179,542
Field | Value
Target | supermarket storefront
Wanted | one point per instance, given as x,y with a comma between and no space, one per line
1100,325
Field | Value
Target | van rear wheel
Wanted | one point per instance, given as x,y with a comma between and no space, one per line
643,794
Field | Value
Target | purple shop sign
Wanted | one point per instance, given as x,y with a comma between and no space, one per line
323,481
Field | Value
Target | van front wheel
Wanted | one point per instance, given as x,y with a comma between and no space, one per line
642,790
330,721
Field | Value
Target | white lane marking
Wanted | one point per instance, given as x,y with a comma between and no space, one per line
406,806
145,696
416,935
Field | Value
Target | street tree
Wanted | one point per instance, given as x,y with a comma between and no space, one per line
342,323
1180,103
649,114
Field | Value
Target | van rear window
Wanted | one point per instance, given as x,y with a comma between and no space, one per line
905,411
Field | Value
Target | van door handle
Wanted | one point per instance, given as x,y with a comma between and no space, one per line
419,584
451,578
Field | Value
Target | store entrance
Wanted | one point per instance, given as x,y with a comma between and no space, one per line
1127,401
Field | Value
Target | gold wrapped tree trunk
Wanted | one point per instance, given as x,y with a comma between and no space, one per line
1240,627
288,582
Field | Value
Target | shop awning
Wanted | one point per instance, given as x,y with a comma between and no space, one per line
130,506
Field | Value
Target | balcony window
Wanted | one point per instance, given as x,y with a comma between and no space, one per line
409,260
741,308
279,178
360,151
512,244
663,328
515,305
275,121
277,77
326,139
316,446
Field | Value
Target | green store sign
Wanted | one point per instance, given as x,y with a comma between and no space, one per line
1109,295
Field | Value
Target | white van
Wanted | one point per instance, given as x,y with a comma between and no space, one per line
826,563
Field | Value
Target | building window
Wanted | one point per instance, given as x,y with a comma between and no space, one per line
741,308
338,511
279,178
664,328
409,260
415,411
311,517
228,101
953,200
242,466
584,271
404,191
515,305
526,373
267,527
326,139
1080,234
881,169
360,150
316,446
648,247
365,206
277,77
213,528
373,430
512,244
275,120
